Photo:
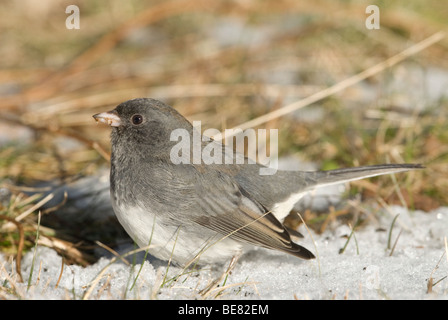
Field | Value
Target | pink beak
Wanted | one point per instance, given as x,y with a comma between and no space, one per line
111,118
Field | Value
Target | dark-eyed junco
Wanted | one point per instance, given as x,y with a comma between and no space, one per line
202,211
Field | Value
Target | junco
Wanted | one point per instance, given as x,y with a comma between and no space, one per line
202,211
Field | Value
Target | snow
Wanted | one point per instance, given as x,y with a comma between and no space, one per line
366,270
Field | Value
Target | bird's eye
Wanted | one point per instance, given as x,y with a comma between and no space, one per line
137,119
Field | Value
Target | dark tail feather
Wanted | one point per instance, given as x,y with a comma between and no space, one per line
300,252
350,174
322,178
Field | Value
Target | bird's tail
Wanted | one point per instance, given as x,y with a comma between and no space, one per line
330,177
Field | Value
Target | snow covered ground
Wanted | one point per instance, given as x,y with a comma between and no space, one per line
364,271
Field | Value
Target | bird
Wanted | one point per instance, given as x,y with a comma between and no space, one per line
203,213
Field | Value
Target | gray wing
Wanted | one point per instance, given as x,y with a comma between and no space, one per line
227,209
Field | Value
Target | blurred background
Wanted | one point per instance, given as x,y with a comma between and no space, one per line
224,63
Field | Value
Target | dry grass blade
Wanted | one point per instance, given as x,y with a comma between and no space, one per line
16,289
339,86
19,246
225,287
332,216
58,206
88,142
110,40
171,257
115,253
430,283
35,207
389,237
35,252
395,243
65,248
214,284
60,274
446,249
95,281
352,234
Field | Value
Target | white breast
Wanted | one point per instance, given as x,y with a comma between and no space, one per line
178,243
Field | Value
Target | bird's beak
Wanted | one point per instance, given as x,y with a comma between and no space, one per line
110,117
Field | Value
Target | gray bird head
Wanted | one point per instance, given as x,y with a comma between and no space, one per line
143,124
